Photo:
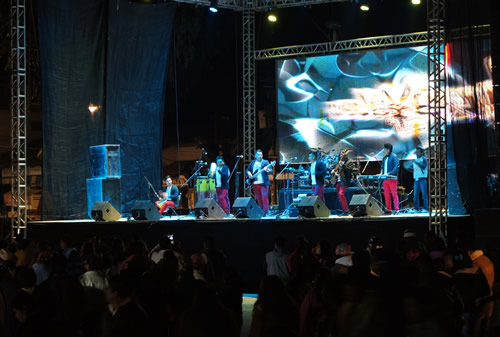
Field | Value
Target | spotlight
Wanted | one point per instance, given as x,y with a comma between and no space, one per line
271,17
364,6
416,2
213,6
93,108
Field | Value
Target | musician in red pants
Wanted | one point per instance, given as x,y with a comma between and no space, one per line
168,196
343,174
390,166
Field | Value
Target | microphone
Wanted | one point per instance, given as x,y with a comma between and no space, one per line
203,151
239,156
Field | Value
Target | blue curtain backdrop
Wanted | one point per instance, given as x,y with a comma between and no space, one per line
139,40
71,35
73,50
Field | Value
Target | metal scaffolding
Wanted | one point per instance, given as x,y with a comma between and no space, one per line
438,182
249,113
18,113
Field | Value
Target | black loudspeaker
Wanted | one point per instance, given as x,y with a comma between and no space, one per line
108,189
208,208
247,208
313,207
364,204
104,211
105,161
145,210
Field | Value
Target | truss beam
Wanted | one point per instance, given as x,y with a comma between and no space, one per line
412,39
18,113
438,182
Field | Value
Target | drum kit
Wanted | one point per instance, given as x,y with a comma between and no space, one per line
301,178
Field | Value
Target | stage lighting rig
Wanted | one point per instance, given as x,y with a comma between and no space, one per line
213,6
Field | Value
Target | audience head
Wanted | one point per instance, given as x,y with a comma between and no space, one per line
279,242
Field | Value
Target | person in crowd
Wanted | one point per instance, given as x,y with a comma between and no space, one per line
273,309
127,318
66,246
214,259
93,276
323,254
198,267
277,260
206,317
41,266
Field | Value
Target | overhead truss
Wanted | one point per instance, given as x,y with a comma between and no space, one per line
346,45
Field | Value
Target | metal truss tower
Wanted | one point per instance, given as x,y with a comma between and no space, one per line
18,113
438,182
249,114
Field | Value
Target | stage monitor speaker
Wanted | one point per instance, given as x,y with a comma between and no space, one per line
145,210
208,208
313,207
247,208
105,161
104,211
364,204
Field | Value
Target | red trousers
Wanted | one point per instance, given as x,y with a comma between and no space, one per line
319,190
261,195
223,199
391,189
166,204
341,195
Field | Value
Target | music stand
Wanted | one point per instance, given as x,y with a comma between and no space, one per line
286,211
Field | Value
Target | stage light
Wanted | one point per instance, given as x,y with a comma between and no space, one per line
213,6
271,17
364,5
416,2
93,108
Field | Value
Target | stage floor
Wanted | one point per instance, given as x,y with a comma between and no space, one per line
246,241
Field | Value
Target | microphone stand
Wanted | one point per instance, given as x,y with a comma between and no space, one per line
151,187
200,166
236,184
285,211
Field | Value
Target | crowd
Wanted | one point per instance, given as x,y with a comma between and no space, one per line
106,287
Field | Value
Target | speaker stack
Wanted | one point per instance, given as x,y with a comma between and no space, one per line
364,204
105,182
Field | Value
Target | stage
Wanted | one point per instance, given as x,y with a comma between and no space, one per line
245,241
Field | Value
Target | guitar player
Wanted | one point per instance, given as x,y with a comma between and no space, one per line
261,168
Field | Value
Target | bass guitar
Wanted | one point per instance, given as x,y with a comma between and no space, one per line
250,181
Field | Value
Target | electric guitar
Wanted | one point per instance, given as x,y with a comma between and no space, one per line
250,181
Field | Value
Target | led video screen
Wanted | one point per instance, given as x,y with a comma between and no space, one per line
355,100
